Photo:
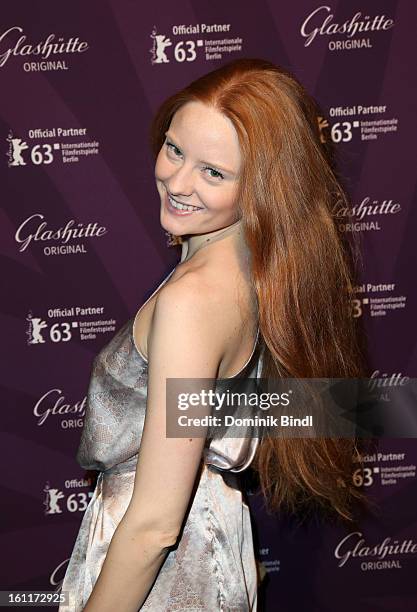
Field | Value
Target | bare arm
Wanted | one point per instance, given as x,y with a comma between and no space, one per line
181,345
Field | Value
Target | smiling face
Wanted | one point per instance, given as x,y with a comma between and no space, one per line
198,166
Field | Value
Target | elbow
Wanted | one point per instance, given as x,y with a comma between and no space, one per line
157,534
158,538
164,536
168,539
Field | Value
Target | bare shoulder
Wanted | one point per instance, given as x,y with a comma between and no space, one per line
210,314
186,316
194,294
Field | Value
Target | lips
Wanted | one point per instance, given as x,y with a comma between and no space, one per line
177,211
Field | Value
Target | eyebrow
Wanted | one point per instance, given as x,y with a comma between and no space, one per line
201,161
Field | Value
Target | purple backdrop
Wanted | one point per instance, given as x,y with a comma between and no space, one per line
82,248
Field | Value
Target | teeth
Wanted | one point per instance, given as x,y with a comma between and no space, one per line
179,206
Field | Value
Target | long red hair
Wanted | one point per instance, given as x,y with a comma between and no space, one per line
302,268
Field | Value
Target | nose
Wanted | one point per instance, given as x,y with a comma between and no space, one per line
180,182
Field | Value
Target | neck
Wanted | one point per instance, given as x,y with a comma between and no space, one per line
196,242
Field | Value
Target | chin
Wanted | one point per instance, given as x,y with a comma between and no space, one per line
180,225
173,227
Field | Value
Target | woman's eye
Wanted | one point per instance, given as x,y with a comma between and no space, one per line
216,174
173,148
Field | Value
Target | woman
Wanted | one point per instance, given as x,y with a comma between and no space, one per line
263,287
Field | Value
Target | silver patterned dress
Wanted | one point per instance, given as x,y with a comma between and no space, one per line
212,567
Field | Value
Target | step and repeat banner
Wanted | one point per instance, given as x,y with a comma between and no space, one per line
82,248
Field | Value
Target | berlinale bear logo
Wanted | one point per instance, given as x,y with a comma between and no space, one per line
160,42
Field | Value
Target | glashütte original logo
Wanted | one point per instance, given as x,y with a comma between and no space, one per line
365,215
354,546
53,403
320,23
13,46
32,230
384,380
